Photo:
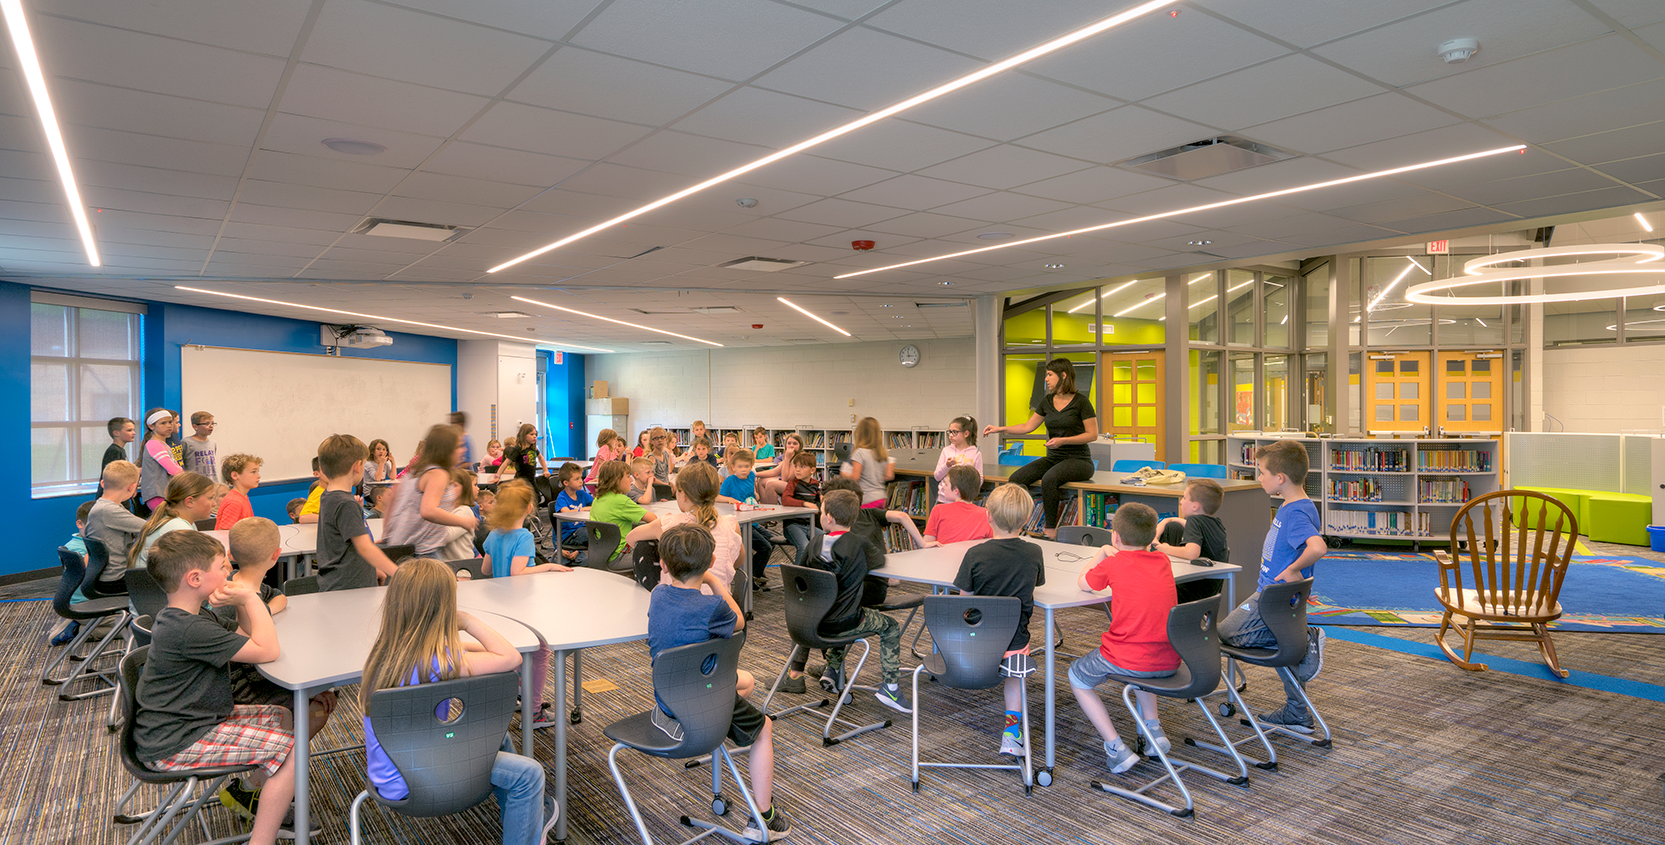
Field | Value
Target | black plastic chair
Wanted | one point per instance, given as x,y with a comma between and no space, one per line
470,565
697,683
1283,607
1084,535
98,559
181,795
206,524
603,553
972,633
810,593
1191,633
89,613
144,595
544,489
398,553
444,753
305,585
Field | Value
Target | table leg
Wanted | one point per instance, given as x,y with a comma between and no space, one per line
528,701
745,569
303,748
561,745
1051,659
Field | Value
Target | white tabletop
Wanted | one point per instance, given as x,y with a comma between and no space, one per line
663,507
567,610
300,539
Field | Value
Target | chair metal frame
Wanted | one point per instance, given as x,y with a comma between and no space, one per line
809,595
964,662
1283,607
92,613
1192,634
704,703
1516,592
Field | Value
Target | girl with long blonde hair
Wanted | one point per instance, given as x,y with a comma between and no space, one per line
190,496
870,465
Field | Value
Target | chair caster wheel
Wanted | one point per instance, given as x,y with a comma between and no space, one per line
1227,709
576,717
916,787
1044,777
719,807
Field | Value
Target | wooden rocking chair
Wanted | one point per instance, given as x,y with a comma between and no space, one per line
1515,572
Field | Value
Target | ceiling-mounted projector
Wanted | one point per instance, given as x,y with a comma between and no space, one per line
354,337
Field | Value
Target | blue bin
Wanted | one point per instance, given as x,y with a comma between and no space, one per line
1656,537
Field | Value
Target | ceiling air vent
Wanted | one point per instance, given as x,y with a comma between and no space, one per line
406,229
760,264
704,309
1205,158
958,304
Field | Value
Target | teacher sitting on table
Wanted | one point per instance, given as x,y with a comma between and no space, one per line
1071,424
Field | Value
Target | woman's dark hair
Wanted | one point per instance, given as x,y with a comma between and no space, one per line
1066,375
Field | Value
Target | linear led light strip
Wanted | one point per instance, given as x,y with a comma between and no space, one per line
948,88
383,319
611,320
1643,220
1196,208
798,308
1393,284
24,43
1159,297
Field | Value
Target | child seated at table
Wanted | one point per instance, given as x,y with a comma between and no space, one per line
255,546
740,487
681,612
802,490
186,717
641,481
1141,584
1196,533
696,502
957,518
612,505
1006,565
420,642
575,536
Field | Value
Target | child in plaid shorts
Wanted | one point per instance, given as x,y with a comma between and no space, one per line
186,717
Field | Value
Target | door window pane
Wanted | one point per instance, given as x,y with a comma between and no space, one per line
1240,306
1384,390
1276,321
1482,390
1275,393
1391,319
1456,413
1409,390
1409,413
1319,408
1482,412
1458,390
1205,393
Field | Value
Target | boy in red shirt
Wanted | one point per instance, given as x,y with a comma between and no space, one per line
242,473
956,519
1142,592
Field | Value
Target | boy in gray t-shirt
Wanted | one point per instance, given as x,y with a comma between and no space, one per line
200,447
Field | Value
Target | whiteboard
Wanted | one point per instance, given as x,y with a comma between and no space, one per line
279,406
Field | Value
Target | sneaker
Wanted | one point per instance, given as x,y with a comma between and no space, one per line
545,716
1120,758
671,727
286,828
832,678
1011,744
1310,665
242,801
792,684
779,826
66,631
760,585
894,698
1286,717
1154,734
551,815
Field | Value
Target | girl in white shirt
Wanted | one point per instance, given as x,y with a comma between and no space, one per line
696,501
960,451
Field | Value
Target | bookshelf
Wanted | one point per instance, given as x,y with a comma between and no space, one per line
817,440
1385,489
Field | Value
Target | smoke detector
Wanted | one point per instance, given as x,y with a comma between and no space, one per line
1457,50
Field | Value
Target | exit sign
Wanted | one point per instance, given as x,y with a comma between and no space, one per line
1439,247
558,357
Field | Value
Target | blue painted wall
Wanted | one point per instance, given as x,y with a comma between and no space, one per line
45,524
564,403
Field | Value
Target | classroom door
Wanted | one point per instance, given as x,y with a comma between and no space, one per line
1396,392
1131,398
1471,391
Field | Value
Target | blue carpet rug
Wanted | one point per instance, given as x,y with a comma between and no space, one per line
1617,594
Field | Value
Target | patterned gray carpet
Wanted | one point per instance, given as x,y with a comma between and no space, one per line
1424,753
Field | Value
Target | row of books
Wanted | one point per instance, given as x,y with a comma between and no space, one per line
1100,507
897,539
1442,491
930,439
1066,514
1370,460
1356,489
1378,523
911,496
1454,460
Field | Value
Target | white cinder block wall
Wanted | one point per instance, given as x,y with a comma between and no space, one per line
1605,389
786,386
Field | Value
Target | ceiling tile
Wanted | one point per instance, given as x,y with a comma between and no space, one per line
1613,146
436,186
916,192
268,215
1261,93
1350,124
107,107
540,18
92,143
926,225
155,180
741,40
1569,203
583,209
538,130
1433,145
787,231
1305,23
394,43
638,185
1631,13
900,145
1000,207
331,94
1009,106
1613,109
1093,185
1124,133
1137,60
305,136
348,173
256,26
1455,219
1004,166
137,61
478,161
1542,77
1399,209
306,197
435,211
812,175
587,82
1277,176
695,157
867,70
843,213
148,203
963,25
1637,170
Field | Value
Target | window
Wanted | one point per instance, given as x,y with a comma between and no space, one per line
83,370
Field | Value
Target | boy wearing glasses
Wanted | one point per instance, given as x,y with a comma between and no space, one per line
199,447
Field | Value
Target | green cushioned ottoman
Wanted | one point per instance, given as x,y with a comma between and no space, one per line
1617,518
1576,501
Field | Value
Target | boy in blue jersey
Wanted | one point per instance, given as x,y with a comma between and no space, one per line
1292,550
575,537
740,488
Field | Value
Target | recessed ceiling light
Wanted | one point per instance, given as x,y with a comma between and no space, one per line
884,306
946,88
610,320
24,44
377,318
800,309
946,284
1053,265
1199,243
1207,207
896,316
994,236
354,147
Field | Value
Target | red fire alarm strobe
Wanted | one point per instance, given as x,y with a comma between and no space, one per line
861,245
757,325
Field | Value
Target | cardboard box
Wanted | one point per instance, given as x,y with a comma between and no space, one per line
615,405
598,389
